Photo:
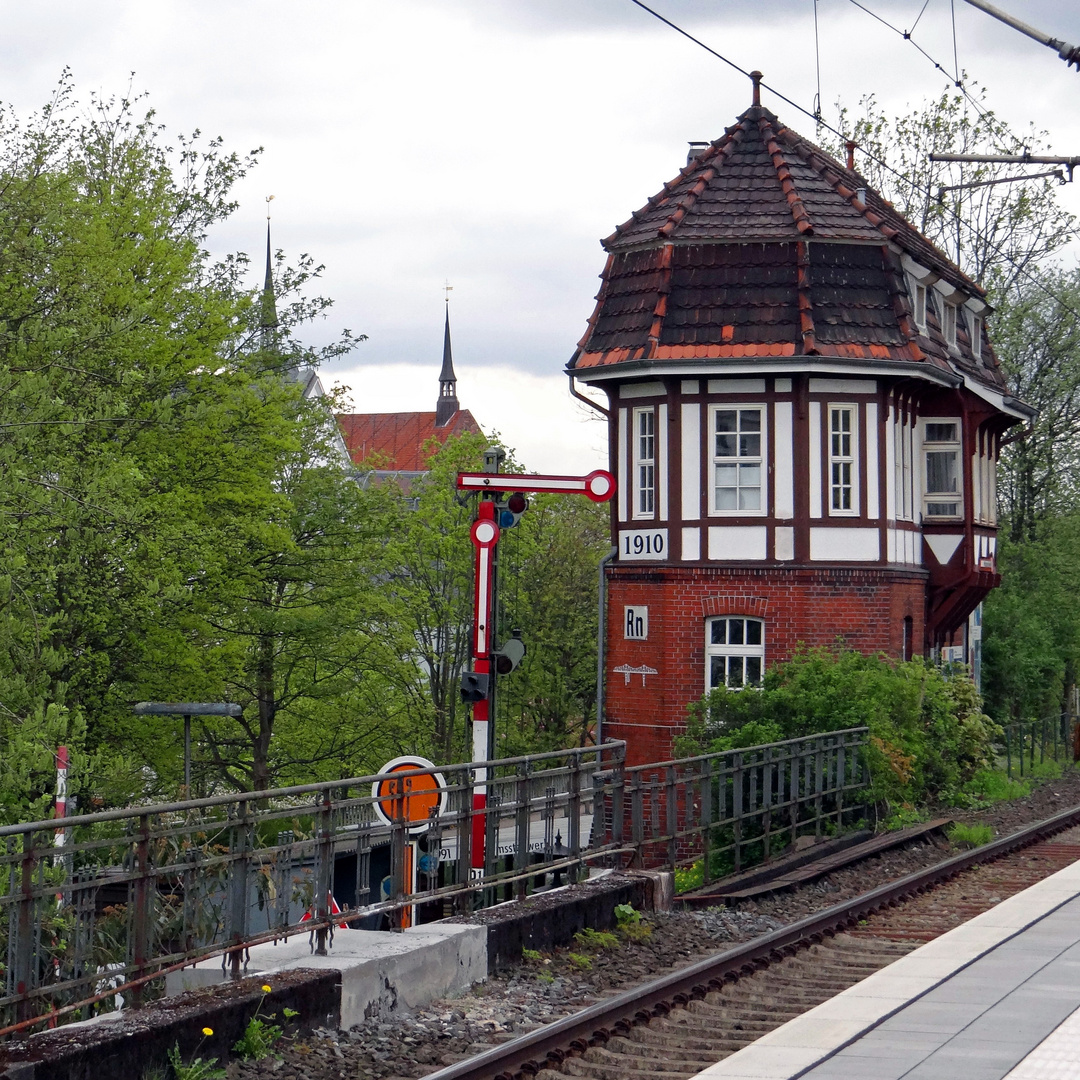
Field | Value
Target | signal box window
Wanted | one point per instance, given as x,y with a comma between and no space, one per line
644,463
737,461
734,652
842,460
943,493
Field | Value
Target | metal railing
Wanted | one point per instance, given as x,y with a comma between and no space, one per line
133,894
734,808
1027,743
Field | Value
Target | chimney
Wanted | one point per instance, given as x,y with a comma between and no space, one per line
695,151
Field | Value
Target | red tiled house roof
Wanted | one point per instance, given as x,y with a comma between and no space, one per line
395,441
762,247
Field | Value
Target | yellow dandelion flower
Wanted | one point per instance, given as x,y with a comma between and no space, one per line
266,988
208,1031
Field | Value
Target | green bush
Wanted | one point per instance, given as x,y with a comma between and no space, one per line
928,733
988,786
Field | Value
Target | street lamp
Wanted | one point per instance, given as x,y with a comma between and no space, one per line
187,709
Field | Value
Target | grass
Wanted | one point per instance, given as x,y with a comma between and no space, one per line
970,836
596,939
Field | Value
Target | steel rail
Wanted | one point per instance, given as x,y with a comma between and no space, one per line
551,1044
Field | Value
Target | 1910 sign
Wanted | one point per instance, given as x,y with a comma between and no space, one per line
651,544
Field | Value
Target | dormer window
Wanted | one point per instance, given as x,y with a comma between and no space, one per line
975,324
920,306
949,323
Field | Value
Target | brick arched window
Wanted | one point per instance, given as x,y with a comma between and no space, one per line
734,651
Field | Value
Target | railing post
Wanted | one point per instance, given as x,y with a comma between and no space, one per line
141,901
737,811
324,867
240,861
705,794
464,903
637,817
398,840
1008,750
573,816
521,833
22,954
618,797
671,806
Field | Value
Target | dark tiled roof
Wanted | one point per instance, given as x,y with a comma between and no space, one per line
395,441
761,246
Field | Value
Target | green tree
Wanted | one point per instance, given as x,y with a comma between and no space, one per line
144,427
996,233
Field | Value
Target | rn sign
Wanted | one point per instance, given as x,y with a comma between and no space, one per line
636,623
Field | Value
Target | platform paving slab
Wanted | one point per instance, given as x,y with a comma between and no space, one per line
969,1005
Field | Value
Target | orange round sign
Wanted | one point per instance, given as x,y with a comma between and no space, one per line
409,795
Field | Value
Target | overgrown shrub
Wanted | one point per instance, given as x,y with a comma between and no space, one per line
928,733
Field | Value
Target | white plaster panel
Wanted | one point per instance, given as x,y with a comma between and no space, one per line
782,386
691,461
943,545
783,476
736,386
624,475
691,386
728,542
662,459
691,545
785,543
890,546
641,389
890,469
843,386
872,467
844,545
815,459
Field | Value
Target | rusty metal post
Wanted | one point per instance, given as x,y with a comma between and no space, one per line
239,863
324,866
22,954
140,893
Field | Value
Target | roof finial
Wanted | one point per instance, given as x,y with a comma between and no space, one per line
447,289
756,76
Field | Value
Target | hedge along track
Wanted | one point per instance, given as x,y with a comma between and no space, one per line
675,1026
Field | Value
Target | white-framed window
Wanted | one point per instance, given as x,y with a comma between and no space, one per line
738,463
975,328
918,303
644,455
942,481
734,651
948,321
843,468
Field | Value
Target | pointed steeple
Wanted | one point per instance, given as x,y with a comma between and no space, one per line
447,406
268,320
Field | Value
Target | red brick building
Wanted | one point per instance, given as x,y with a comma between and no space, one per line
396,446
805,414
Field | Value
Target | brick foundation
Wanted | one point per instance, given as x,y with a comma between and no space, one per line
865,607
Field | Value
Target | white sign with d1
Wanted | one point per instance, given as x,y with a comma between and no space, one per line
636,623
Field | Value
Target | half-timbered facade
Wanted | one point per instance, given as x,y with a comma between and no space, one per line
805,415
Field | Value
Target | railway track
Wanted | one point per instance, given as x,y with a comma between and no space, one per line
675,1026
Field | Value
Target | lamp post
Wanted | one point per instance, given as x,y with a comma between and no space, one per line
187,709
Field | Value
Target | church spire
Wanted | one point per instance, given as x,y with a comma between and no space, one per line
268,320
447,406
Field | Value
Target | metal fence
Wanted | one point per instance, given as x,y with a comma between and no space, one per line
134,894
737,807
1027,743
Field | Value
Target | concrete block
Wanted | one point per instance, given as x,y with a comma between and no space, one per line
381,972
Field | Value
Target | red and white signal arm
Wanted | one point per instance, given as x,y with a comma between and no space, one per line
598,485
408,794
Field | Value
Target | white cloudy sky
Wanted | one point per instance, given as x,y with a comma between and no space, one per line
492,142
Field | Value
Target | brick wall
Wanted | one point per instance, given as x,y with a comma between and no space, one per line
865,607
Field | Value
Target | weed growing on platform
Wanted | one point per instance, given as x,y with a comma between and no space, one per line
579,961
596,939
196,1069
260,1035
630,924
988,786
970,836
531,956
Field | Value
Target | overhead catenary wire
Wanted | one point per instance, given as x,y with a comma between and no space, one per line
914,185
